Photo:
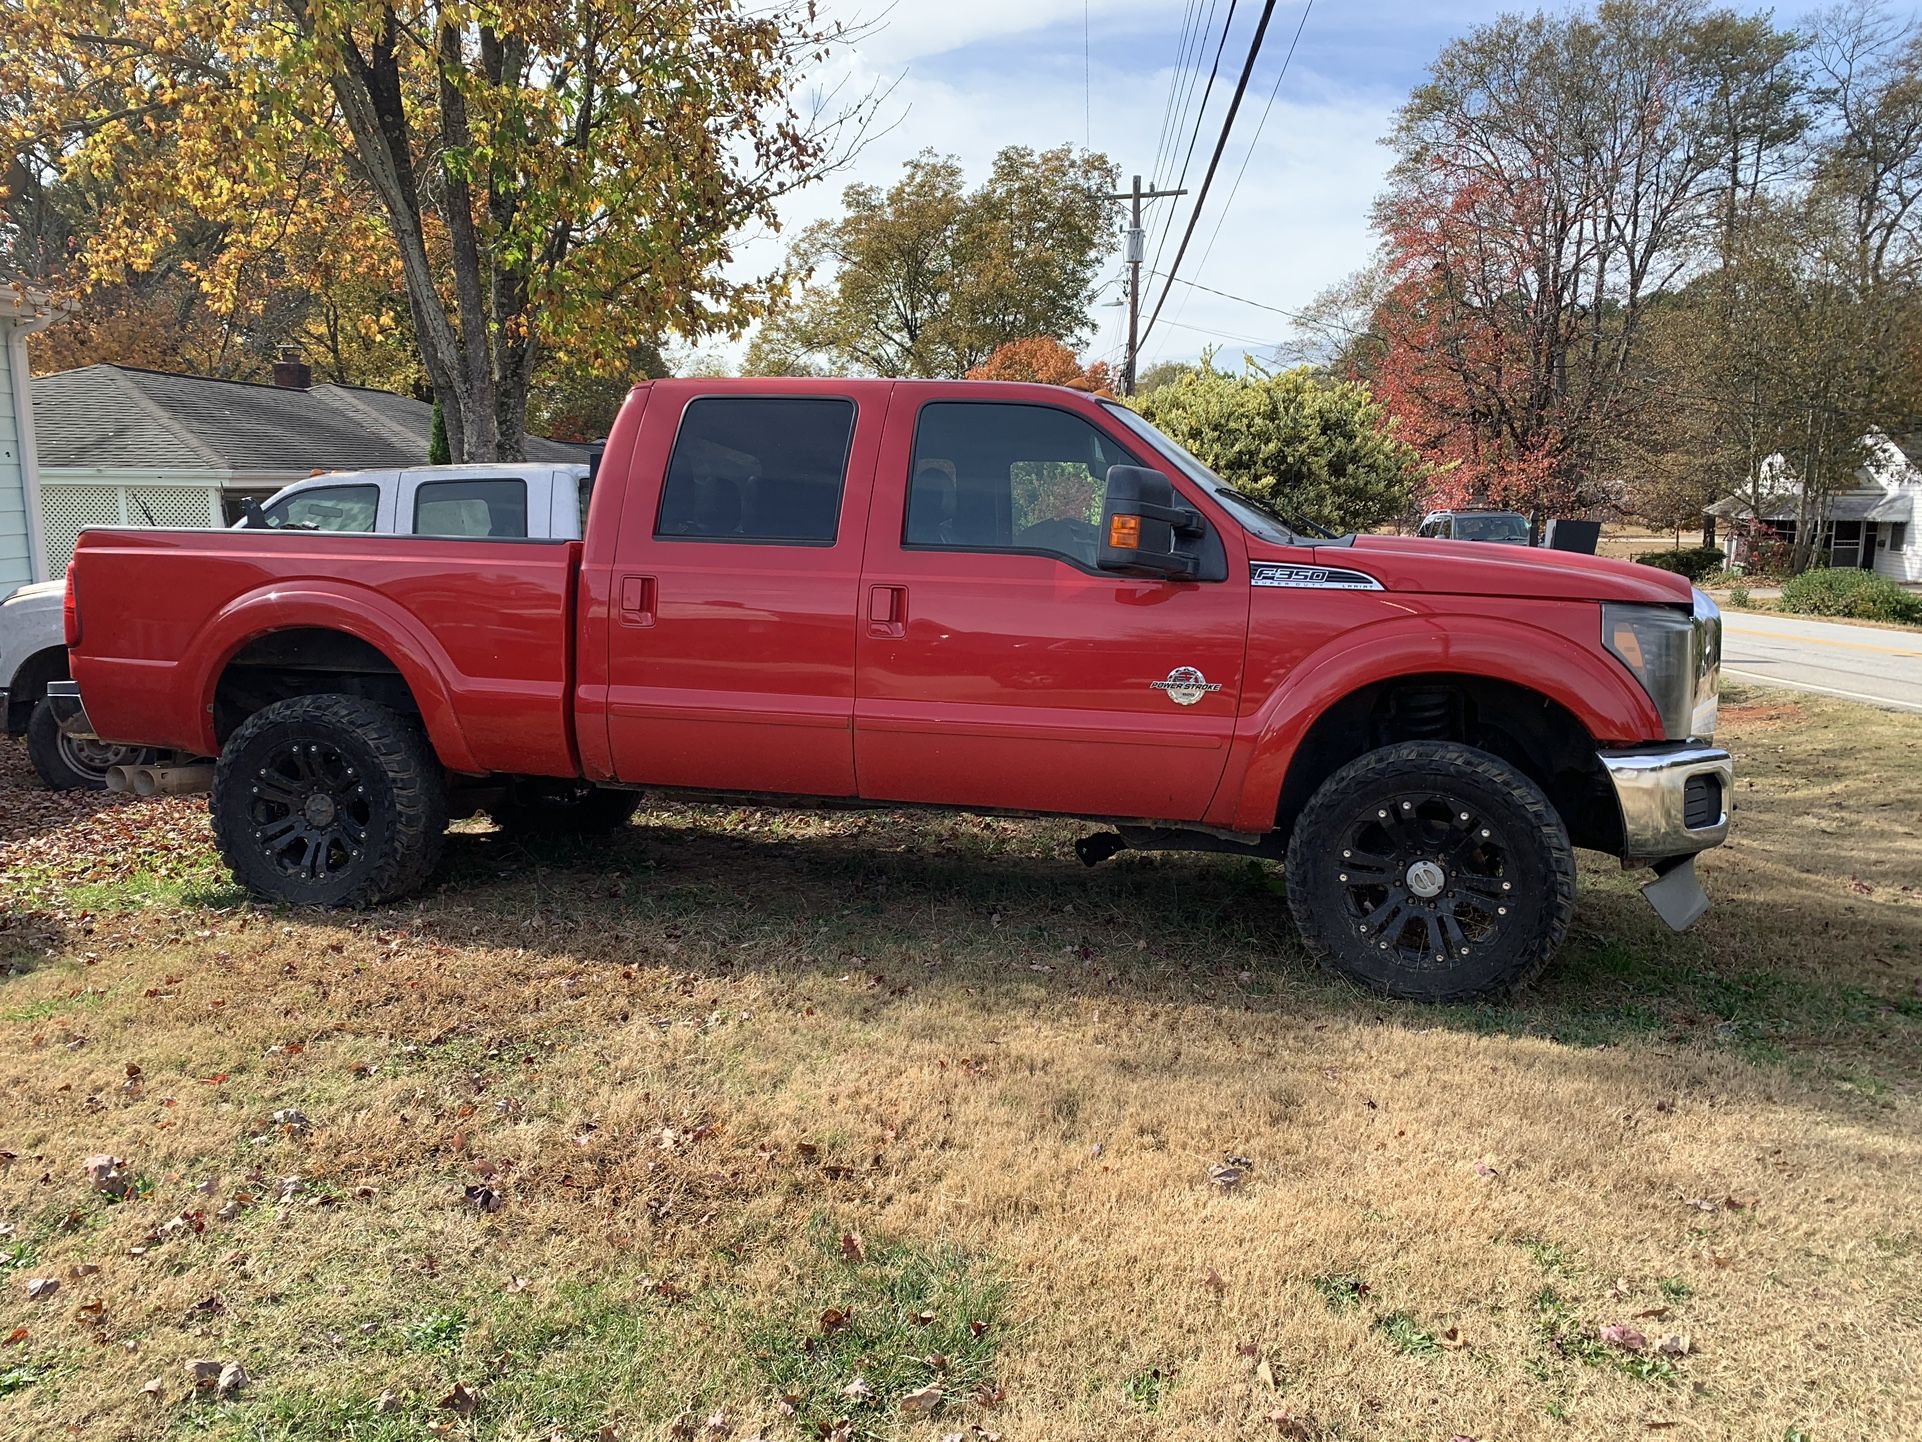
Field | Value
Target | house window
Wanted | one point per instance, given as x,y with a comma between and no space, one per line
1898,535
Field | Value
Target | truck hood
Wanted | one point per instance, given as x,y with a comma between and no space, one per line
1480,568
46,593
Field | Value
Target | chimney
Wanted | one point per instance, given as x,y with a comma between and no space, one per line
291,373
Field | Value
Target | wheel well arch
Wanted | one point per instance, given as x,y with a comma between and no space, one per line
29,683
1537,735
306,661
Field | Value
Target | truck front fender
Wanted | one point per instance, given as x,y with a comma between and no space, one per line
1598,691
332,605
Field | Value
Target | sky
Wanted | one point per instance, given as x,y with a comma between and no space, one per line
972,76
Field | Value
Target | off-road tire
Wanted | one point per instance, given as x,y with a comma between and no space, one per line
63,763
538,807
1507,873
386,802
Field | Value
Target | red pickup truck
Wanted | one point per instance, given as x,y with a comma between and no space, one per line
984,596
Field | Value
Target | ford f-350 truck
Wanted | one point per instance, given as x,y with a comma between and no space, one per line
985,596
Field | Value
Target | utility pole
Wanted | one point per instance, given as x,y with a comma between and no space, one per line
1137,250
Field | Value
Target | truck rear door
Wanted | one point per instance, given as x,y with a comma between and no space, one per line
997,666
732,597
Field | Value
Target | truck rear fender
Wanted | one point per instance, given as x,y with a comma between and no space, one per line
1591,688
351,610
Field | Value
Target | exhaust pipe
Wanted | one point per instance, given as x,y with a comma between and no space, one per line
162,780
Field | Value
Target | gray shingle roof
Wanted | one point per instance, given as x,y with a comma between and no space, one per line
116,416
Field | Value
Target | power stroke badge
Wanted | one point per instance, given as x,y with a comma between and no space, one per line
1185,685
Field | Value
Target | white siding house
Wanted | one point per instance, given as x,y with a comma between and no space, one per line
1872,526
22,547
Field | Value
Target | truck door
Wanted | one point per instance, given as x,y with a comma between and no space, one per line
997,666
732,597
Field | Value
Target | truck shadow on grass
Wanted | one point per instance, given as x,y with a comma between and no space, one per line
998,904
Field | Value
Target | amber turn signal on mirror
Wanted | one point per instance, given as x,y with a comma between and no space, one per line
1125,531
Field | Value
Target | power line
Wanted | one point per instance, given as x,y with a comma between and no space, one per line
1201,114
1214,161
1307,10
1168,122
1257,304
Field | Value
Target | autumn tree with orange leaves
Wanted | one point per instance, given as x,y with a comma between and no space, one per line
1044,361
537,178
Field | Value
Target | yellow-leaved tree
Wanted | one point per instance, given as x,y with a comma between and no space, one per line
541,177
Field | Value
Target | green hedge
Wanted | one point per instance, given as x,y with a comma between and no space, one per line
1694,562
1847,591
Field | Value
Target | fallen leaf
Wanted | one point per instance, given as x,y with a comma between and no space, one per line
1675,1344
1214,1283
108,1175
834,1318
923,1402
990,1394
40,1288
1451,1338
462,1400
153,1387
13,1338
517,1284
232,1378
682,1427
81,1269
203,1372
853,1249
1289,1423
858,1389
1620,1334
1230,1173
484,1199
718,1425
387,1403
1265,1374
925,1318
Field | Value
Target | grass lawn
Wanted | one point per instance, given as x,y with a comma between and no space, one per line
755,1124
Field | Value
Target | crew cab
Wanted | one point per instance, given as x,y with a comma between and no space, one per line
985,596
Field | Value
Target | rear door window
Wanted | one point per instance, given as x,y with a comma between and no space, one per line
478,508
765,470
327,508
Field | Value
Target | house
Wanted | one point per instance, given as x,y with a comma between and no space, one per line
1871,525
121,446
22,554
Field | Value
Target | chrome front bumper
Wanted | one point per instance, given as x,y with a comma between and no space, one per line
1674,800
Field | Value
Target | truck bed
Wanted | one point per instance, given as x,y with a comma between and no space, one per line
166,613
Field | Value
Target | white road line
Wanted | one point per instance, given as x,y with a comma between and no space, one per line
1824,690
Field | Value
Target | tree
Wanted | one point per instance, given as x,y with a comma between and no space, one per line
1555,175
546,177
1045,361
927,278
438,451
1315,448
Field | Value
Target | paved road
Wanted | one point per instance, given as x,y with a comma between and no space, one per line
1862,663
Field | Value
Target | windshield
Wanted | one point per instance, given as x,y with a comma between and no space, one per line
1505,526
1255,516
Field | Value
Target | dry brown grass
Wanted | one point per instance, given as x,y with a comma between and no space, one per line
689,1062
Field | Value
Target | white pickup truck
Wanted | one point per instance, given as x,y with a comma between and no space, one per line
543,500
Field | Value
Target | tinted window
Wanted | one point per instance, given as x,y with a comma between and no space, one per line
989,477
1491,528
471,508
765,469
327,508
587,494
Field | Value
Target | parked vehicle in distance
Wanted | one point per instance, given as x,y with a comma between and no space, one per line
1507,528
516,500
983,596
546,500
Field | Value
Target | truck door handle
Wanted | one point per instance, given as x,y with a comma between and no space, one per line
888,611
637,600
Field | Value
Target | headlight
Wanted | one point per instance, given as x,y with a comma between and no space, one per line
1676,655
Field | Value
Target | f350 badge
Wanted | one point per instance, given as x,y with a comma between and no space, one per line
1185,685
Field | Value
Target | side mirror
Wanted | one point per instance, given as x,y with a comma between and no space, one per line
1144,530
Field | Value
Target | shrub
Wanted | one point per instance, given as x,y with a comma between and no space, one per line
1694,562
1847,591
1739,598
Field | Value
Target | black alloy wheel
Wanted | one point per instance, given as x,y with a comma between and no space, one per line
1433,871
329,801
